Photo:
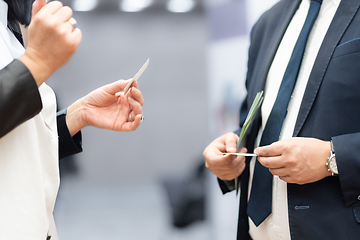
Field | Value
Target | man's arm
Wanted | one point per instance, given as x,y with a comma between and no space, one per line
346,148
296,160
303,160
225,167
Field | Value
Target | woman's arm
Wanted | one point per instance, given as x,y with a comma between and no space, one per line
19,96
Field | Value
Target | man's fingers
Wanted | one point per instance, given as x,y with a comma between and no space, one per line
230,142
231,173
223,163
225,143
271,162
226,167
272,150
232,163
289,179
281,172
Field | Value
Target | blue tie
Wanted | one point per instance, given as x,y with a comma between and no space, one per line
260,201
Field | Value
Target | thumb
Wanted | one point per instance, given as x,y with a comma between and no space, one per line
261,151
230,143
37,5
117,86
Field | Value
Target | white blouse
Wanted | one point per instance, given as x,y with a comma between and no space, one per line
29,173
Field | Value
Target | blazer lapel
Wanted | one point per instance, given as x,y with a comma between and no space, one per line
343,17
274,37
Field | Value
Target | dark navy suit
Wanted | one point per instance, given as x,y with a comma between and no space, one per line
330,109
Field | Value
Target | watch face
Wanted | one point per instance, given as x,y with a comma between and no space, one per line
333,165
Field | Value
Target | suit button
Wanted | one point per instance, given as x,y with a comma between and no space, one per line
359,197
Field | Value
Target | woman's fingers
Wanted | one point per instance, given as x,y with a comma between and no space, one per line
136,94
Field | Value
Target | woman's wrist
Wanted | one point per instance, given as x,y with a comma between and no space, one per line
39,71
76,117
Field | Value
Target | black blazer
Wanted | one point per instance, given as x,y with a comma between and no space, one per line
330,109
20,100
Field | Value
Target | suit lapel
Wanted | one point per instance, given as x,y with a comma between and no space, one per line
274,37
343,17
280,20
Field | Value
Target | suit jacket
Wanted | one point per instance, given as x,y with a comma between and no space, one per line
20,100
329,208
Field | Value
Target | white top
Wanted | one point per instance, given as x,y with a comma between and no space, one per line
29,174
276,226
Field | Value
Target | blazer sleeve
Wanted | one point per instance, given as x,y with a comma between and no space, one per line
348,162
256,42
228,186
19,96
67,145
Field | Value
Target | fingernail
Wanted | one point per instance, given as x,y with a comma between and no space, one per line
231,149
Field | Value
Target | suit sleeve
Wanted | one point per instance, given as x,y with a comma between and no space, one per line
67,145
228,186
19,96
348,162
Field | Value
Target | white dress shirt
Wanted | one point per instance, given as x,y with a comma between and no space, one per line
29,173
276,226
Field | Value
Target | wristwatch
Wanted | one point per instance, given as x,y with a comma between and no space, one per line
331,164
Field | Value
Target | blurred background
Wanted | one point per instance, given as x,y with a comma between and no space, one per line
151,183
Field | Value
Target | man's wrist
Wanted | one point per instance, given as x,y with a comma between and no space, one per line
331,163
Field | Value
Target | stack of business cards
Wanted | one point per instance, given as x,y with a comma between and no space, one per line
250,117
